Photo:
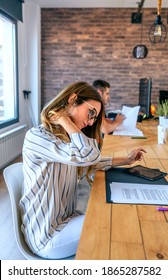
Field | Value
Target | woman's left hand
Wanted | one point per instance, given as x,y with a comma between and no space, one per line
136,154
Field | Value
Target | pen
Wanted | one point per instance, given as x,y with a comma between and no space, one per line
139,137
162,209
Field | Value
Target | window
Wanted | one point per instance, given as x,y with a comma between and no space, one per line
8,71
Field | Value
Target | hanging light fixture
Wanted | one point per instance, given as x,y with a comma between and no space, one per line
158,31
140,51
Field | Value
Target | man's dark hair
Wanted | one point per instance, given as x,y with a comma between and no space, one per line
100,84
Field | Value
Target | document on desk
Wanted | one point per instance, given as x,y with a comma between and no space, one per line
128,126
130,193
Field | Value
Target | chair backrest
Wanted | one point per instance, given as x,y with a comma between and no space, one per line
13,176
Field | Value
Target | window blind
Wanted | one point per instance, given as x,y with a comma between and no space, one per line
12,7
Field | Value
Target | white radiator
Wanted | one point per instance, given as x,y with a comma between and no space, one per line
11,143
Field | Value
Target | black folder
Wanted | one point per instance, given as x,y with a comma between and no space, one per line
119,175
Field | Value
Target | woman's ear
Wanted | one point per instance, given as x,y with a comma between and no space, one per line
72,98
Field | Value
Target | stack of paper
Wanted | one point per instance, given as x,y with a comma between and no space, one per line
128,127
132,193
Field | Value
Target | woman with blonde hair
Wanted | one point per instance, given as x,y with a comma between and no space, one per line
54,155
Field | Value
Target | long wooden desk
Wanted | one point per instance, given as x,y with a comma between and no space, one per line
123,231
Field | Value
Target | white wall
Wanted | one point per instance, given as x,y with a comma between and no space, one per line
97,3
32,58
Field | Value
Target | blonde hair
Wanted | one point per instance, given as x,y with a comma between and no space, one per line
60,104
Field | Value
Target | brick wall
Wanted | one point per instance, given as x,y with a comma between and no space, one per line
97,43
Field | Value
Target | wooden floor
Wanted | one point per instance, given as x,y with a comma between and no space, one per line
8,247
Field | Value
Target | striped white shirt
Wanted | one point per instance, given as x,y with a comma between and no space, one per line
50,181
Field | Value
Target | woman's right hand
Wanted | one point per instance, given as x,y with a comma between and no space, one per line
58,118
65,121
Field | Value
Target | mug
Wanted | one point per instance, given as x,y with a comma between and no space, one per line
162,134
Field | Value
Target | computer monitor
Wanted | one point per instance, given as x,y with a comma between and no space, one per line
145,88
163,95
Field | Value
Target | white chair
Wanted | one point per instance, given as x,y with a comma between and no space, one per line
13,176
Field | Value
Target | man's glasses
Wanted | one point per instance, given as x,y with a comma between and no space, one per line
92,113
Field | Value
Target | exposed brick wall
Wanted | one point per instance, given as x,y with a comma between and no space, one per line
97,43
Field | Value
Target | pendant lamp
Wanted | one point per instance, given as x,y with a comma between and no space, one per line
140,51
158,31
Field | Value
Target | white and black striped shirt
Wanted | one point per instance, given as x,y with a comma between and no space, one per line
50,181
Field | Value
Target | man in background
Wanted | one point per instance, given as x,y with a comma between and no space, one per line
103,89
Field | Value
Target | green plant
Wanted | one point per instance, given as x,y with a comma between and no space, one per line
162,108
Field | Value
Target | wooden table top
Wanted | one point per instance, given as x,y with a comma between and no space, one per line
124,231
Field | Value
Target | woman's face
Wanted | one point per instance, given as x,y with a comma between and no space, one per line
85,114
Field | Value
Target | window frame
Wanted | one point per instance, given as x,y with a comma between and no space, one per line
15,119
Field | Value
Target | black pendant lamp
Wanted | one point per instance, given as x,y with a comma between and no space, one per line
140,51
158,31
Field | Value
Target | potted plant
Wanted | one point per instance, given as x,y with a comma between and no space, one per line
162,112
